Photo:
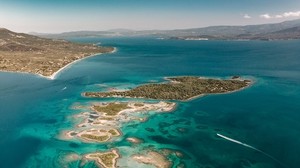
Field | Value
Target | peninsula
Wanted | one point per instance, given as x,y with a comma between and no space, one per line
178,88
25,53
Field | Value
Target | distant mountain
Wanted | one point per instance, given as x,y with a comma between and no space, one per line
237,30
108,33
283,30
120,30
79,34
293,33
11,41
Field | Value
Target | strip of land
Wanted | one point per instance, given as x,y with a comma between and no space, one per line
178,88
25,53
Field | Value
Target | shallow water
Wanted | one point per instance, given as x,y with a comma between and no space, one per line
34,110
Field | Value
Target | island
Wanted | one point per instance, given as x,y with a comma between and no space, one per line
153,158
25,53
114,108
178,88
104,120
98,135
160,157
134,140
101,122
104,159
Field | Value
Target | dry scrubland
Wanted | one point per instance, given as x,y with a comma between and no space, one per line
26,53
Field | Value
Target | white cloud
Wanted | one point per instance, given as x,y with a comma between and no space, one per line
246,16
265,16
279,16
292,14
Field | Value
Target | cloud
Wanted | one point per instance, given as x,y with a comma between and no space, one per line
265,16
292,14
279,16
246,16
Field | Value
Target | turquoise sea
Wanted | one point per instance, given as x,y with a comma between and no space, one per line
34,110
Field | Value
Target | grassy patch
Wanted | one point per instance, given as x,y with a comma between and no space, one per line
95,137
111,109
113,132
107,159
138,104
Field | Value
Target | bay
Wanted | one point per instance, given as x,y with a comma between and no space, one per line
34,110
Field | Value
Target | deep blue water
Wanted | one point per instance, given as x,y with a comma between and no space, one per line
34,110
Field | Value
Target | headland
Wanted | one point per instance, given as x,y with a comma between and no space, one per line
25,53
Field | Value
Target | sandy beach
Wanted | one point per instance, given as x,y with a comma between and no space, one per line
54,75
153,158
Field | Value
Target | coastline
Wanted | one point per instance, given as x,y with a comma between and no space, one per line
170,81
202,95
228,92
100,162
54,75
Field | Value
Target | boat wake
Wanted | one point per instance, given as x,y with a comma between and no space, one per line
251,147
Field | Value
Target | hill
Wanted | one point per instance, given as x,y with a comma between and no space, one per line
250,32
284,30
21,52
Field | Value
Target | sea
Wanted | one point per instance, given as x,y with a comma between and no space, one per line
257,127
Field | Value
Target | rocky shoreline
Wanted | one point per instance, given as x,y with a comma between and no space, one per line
102,123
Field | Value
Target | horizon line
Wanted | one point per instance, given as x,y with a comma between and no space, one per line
138,30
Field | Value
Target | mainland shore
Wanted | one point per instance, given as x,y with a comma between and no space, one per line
54,75
24,53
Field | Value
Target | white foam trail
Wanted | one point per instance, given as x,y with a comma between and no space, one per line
251,147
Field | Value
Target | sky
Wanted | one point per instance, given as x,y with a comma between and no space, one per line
55,16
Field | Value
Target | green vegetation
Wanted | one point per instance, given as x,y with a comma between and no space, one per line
113,132
111,109
21,52
95,137
107,159
107,118
138,104
180,88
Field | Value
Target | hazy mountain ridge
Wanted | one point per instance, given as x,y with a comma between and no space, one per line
283,30
12,41
250,32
